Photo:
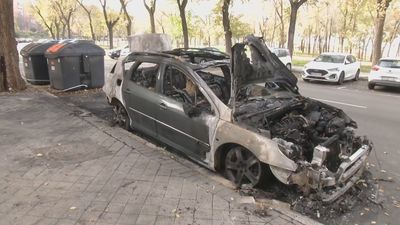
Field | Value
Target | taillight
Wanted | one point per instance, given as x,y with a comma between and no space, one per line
375,68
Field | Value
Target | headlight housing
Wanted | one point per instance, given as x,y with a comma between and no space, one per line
334,69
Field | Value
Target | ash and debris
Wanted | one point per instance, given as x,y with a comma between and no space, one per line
366,196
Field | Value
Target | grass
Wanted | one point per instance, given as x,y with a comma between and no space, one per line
301,60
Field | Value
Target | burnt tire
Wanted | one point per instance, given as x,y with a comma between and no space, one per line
121,117
341,79
242,168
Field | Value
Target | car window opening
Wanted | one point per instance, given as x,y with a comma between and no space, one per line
182,89
145,75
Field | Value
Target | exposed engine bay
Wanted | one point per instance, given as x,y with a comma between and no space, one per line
309,132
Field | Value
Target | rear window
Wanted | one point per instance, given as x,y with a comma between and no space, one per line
389,63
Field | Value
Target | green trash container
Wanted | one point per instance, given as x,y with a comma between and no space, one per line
77,63
35,64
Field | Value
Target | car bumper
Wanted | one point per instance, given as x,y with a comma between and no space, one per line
331,185
385,83
329,77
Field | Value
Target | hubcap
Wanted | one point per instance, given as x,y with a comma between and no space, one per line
242,167
120,115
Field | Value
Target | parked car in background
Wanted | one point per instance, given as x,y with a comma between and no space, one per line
332,67
116,53
385,73
218,114
283,55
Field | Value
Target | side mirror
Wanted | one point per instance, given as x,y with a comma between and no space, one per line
346,62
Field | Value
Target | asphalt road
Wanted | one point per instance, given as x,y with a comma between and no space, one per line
377,113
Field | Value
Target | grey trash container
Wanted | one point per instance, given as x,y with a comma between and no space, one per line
35,64
74,64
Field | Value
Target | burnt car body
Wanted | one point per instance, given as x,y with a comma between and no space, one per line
244,117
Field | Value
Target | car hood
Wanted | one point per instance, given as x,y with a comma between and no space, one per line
322,65
252,63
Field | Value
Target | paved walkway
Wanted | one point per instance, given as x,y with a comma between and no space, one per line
61,165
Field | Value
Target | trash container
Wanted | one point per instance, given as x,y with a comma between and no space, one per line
35,64
74,64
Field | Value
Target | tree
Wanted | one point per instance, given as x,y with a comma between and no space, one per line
294,7
128,18
280,13
110,19
182,5
48,17
151,9
227,26
381,7
10,76
66,8
89,14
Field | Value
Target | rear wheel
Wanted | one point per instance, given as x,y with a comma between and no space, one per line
341,78
121,117
357,76
243,168
371,86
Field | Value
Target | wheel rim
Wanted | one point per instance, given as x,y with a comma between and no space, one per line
242,167
120,115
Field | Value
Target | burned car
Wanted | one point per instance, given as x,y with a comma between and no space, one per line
244,118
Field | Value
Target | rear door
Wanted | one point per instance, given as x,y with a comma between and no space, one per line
349,67
187,134
139,91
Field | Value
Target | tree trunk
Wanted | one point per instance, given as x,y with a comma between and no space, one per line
110,36
10,76
227,26
382,6
152,23
184,29
292,27
91,28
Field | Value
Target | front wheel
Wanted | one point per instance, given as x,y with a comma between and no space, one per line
357,76
121,117
371,86
243,168
341,78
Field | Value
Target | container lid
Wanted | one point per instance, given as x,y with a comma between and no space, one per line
37,48
74,48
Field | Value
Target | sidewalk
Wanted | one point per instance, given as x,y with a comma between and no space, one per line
62,165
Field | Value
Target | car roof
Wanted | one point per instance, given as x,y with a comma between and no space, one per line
174,57
335,53
389,58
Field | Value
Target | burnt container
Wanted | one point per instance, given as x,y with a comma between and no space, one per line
35,63
75,63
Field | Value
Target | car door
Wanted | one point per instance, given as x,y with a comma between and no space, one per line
348,65
189,134
139,91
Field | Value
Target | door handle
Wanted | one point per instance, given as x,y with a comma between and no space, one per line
163,106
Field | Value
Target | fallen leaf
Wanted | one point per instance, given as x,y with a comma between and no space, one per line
362,214
373,222
387,214
366,209
72,208
39,154
383,171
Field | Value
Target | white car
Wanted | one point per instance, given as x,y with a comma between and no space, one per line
385,73
283,55
332,67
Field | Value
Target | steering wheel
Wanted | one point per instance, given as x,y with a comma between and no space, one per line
184,94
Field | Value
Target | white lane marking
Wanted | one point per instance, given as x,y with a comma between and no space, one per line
343,87
341,103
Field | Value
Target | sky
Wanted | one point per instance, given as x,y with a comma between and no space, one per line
252,11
